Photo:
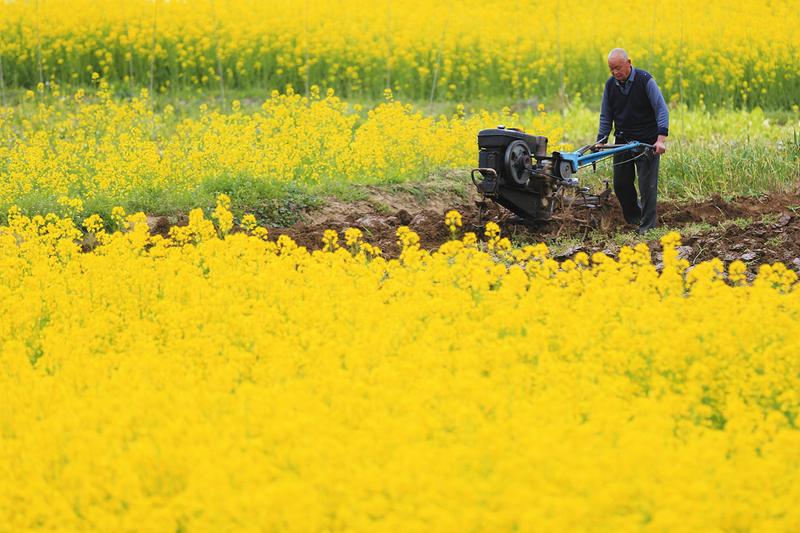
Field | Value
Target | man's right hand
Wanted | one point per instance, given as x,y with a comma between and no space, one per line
661,145
600,143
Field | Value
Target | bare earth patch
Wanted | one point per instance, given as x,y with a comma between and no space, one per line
755,230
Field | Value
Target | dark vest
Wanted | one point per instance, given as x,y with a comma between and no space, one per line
633,116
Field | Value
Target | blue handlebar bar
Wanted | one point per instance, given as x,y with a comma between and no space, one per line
578,159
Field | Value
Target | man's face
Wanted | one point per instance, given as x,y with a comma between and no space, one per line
620,68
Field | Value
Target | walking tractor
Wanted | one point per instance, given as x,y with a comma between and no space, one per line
516,172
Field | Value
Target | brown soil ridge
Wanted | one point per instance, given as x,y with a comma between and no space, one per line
756,230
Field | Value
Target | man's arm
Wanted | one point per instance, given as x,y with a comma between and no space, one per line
662,114
605,118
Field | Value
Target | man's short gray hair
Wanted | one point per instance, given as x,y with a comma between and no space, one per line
618,52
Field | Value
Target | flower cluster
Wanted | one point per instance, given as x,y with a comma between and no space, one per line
88,151
452,220
216,380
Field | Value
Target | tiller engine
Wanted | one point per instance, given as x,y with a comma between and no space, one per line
516,172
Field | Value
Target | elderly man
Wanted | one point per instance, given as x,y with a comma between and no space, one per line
635,105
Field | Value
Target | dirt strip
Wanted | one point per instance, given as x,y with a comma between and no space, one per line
755,230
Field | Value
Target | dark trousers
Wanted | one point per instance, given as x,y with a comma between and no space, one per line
636,211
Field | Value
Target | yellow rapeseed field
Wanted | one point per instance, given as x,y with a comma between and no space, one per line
109,151
729,53
105,149
222,380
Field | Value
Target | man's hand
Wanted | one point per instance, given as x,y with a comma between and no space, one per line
661,145
596,147
601,142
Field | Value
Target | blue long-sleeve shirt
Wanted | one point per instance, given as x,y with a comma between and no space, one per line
656,101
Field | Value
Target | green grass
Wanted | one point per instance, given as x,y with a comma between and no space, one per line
776,241
562,245
741,223
273,204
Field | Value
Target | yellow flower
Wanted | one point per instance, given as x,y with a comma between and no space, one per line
491,230
307,350
330,240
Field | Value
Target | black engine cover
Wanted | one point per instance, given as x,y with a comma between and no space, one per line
493,143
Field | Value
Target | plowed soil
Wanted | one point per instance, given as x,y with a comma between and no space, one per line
755,230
